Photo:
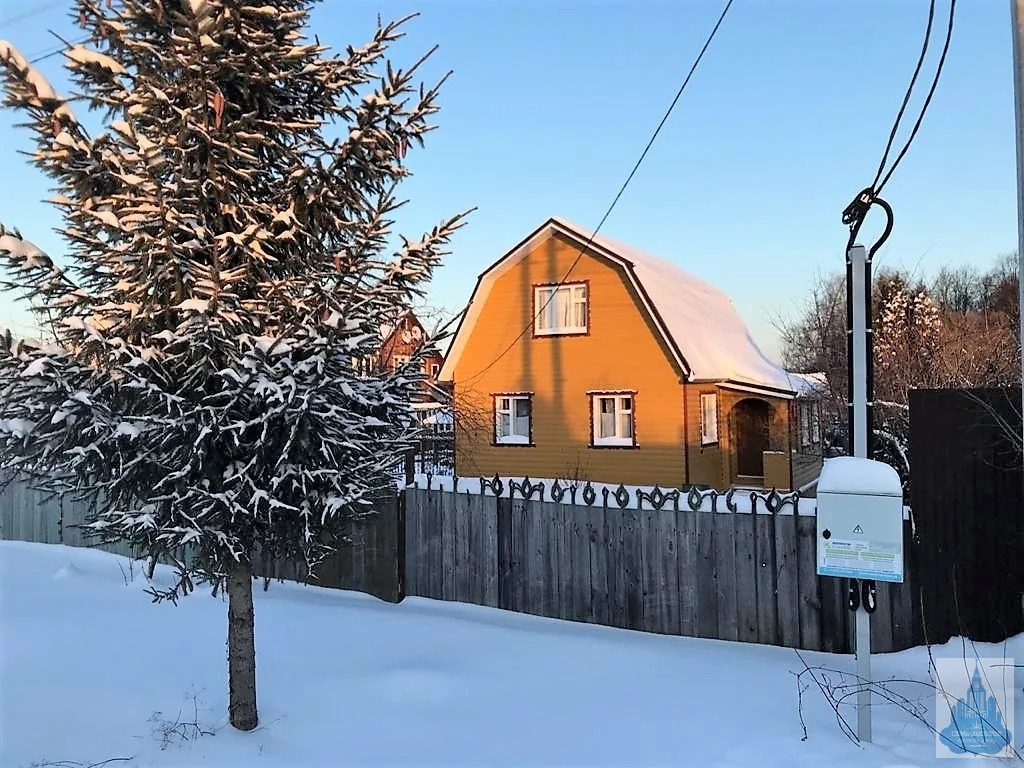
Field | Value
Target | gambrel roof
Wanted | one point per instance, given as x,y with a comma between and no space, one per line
699,324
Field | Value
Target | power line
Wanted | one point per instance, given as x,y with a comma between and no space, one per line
928,98
618,195
31,12
857,211
906,97
44,56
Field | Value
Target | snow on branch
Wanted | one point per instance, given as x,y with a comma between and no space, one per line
36,90
84,57
21,252
30,270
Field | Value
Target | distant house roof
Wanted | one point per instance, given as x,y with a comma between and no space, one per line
698,322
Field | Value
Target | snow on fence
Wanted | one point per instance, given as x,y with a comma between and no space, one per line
558,490
657,561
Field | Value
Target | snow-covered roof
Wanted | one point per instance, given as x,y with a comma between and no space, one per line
699,323
809,384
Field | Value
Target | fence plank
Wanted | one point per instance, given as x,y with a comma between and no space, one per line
550,521
903,604
415,539
616,573
767,579
687,555
632,566
519,549
463,558
432,530
747,572
504,517
881,620
581,597
536,565
808,582
563,519
833,610
651,557
725,576
449,502
707,593
787,580
491,560
595,532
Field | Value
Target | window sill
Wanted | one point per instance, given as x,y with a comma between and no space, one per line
513,444
562,332
616,444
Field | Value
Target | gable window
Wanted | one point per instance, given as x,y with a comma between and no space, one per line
560,309
708,418
512,419
613,420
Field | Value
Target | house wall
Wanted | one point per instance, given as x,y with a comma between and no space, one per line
715,465
706,466
806,460
619,352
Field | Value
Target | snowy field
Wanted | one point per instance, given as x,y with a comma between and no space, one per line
92,671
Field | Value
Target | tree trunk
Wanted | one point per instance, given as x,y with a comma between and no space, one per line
241,649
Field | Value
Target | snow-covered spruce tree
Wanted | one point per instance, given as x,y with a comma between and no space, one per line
227,260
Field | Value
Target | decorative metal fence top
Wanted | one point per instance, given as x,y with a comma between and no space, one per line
586,493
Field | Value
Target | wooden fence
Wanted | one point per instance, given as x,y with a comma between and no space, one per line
369,563
715,574
712,571
30,515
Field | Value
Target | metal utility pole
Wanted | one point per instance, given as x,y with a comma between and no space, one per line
1017,18
858,297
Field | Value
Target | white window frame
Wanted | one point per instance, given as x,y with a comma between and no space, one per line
545,308
435,369
505,406
397,361
708,426
620,409
816,422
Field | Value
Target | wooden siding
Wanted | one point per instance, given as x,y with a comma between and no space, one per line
619,352
806,467
806,460
705,461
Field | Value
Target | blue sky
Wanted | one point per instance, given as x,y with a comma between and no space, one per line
552,101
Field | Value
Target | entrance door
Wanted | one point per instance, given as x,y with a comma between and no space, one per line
750,418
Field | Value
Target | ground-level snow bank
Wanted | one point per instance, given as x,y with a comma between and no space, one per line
91,670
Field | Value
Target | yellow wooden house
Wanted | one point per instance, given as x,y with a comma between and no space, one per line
582,358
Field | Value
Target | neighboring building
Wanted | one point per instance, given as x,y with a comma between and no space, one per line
400,340
629,370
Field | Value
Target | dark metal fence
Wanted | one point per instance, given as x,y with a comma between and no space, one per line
968,502
434,453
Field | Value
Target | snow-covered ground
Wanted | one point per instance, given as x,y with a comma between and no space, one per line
91,670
